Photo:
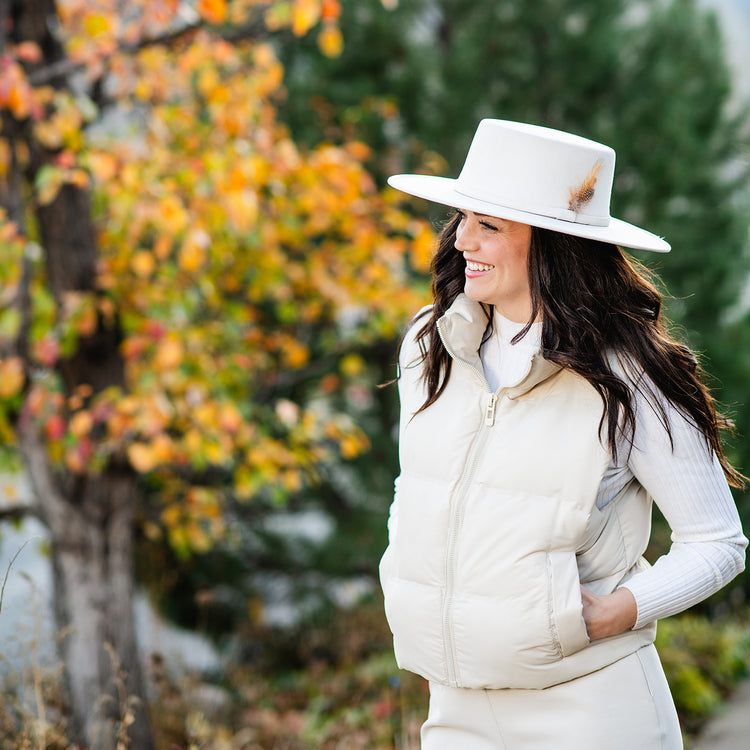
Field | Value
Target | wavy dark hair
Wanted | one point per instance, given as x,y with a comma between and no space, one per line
593,301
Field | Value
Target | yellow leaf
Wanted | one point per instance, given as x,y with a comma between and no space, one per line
215,454
77,177
163,246
80,424
191,257
352,365
171,515
97,24
199,540
295,354
143,263
169,354
142,457
48,134
230,419
88,321
103,166
330,41
422,249
278,15
193,442
305,14
291,480
205,414
172,214
163,448
352,445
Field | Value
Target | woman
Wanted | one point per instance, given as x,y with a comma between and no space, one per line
543,406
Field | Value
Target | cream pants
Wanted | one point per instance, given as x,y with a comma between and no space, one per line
625,706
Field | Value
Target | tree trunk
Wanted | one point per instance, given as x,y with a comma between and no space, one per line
89,516
92,559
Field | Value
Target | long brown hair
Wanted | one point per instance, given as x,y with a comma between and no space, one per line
594,302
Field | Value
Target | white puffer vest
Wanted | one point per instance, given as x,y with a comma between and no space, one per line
496,525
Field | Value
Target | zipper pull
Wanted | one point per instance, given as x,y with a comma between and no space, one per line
489,417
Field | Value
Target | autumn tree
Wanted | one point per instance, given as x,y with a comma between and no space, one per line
182,288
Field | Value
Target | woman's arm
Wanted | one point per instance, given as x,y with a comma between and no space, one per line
688,485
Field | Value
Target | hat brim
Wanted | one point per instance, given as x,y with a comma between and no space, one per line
443,190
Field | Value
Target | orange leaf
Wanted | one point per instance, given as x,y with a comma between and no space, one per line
422,249
88,321
295,354
230,419
80,424
142,457
169,354
55,427
103,166
28,52
143,263
47,350
163,246
192,254
12,377
331,10
213,11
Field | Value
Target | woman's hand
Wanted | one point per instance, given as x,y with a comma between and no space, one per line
610,614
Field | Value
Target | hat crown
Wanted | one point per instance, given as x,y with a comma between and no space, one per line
539,170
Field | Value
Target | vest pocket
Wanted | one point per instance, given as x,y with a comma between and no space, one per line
565,604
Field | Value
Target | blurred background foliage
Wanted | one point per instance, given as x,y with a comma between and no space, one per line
256,274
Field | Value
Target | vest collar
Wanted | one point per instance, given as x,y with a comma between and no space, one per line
461,330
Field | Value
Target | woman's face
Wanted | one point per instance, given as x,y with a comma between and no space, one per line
497,255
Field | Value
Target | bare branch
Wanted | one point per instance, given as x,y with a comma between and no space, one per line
17,513
10,564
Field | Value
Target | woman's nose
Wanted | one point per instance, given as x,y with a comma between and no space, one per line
465,239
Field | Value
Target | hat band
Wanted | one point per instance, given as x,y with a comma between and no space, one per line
552,212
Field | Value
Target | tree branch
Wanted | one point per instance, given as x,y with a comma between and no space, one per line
18,513
65,67
62,68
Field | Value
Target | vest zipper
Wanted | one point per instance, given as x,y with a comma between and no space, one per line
457,513
456,522
489,417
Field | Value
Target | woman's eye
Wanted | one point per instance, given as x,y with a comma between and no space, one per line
491,227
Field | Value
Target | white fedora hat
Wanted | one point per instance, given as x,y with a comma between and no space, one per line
538,176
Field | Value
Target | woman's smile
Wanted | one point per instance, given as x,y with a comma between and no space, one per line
476,269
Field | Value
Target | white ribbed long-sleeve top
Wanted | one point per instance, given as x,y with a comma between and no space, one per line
684,478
